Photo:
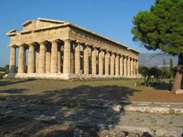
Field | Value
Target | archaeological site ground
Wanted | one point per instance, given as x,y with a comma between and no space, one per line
113,108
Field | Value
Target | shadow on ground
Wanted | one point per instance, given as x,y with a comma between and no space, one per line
13,91
85,107
162,86
10,82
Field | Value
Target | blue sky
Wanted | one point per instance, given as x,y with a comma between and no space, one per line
110,18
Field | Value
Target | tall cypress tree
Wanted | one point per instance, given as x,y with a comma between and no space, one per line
171,69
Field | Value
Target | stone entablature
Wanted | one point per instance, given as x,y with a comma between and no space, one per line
60,47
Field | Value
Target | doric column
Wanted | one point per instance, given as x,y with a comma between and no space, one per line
77,58
117,65
48,59
94,61
134,66
42,55
59,60
112,64
67,56
107,55
31,58
86,60
129,66
37,61
54,57
72,60
12,65
137,66
121,65
100,62
125,65
21,59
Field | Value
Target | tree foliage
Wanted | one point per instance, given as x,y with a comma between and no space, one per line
149,74
161,27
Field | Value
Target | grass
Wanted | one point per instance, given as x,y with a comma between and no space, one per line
110,89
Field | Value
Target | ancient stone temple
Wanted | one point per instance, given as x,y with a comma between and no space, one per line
54,49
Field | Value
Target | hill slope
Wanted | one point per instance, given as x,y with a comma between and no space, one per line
155,59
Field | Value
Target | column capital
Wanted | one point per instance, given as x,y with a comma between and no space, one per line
78,42
101,49
12,46
86,45
21,45
32,44
43,42
69,40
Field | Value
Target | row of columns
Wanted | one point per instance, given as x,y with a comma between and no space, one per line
45,57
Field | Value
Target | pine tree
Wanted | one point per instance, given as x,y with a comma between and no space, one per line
162,28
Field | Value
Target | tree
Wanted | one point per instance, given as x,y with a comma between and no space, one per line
171,69
149,74
162,28
164,70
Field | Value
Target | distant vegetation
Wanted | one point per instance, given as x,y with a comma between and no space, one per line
4,70
156,74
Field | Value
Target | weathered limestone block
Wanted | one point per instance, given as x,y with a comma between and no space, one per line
179,91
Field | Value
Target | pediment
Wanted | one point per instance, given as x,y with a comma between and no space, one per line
12,32
40,23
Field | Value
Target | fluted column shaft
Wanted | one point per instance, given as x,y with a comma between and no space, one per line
37,61
137,67
94,61
42,58
59,60
77,59
48,59
121,65
107,55
12,65
86,60
101,62
117,65
129,66
67,56
54,57
21,59
31,59
125,66
112,64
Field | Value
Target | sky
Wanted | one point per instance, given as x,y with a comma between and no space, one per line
110,18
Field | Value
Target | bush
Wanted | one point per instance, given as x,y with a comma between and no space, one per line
2,75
